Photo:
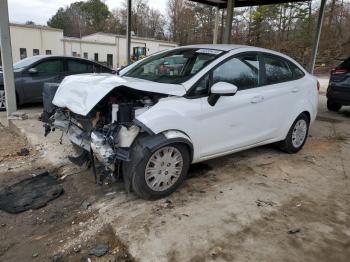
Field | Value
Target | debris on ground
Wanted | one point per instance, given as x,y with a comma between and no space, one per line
100,250
23,152
294,231
57,257
18,116
85,204
264,203
30,193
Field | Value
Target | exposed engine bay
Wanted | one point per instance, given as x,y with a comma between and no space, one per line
107,132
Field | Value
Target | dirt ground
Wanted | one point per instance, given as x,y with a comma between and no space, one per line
256,205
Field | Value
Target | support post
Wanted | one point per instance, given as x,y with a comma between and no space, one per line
7,63
128,32
228,25
216,26
317,36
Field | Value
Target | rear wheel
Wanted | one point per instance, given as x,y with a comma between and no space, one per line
161,172
333,106
296,136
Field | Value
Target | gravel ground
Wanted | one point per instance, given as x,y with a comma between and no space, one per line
256,205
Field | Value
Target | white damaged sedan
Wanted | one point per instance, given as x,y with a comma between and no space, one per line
182,106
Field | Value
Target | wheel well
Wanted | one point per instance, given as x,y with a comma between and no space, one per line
189,148
307,115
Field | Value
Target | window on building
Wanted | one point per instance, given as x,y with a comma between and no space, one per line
23,53
48,52
242,71
50,66
277,70
86,55
78,67
110,60
74,53
35,52
96,57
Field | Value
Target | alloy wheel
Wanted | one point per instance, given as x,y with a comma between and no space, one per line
2,99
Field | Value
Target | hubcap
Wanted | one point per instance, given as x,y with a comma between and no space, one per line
2,99
299,133
164,168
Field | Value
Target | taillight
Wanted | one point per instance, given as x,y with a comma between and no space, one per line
318,86
339,71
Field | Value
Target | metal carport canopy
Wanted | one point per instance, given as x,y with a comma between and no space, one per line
231,4
242,3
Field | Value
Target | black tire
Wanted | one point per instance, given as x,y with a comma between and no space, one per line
333,106
287,144
138,180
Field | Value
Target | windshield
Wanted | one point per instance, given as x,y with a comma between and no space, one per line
175,66
25,62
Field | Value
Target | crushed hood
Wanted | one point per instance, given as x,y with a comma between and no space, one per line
80,93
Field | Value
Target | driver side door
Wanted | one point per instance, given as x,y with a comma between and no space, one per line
236,121
50,70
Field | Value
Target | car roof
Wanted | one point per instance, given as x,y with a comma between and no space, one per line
62,56
222,47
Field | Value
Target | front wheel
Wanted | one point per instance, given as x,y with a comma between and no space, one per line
161,172
2,100
296,136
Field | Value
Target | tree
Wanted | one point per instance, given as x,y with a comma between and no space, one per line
81,18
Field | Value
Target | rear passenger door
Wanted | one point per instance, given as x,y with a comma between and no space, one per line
280,91
75,66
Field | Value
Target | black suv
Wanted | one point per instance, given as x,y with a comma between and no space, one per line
338,92
31,73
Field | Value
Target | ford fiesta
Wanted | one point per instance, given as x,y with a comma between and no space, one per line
183,106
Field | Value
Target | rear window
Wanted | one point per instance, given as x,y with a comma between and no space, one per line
79,67
345,64
277,70
297,72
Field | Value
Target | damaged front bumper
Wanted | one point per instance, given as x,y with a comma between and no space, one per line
108,145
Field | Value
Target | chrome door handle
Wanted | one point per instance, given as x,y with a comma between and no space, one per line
295,90
257,99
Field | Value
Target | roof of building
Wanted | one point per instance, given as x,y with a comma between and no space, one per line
34,26
132,37
242,3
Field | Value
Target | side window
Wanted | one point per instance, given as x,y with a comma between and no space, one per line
202,87
297,72
242,71
277,70
50,66
79,67
105,70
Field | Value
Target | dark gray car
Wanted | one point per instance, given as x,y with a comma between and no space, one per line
31,74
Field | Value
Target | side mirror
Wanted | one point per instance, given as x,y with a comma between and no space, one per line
33,70
221,89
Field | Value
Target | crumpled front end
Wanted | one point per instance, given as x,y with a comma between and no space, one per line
108,131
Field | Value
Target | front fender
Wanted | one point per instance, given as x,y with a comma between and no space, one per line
175,117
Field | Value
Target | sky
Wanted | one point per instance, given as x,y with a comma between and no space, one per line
39,11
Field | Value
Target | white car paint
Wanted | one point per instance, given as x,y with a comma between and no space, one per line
250,118
80,93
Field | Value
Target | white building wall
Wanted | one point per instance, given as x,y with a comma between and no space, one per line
31,37
44,38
